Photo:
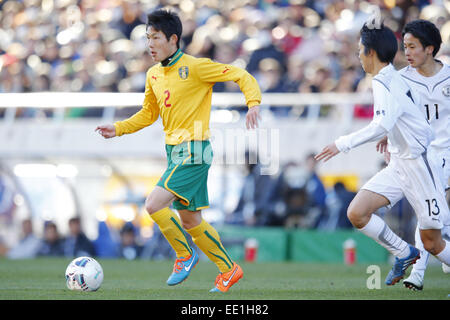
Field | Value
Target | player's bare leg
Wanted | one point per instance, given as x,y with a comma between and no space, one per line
190,219
432,241
360,214
158,199
363,205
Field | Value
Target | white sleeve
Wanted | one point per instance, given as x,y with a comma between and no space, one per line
369,133
386,106
386,111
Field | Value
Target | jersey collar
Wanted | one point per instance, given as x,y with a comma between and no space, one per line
174,59
386,69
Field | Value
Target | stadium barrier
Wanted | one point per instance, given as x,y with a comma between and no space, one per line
310,246
130,99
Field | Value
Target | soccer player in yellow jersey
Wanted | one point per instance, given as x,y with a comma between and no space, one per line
179,90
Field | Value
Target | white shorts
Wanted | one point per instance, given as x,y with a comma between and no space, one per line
419,180
443,161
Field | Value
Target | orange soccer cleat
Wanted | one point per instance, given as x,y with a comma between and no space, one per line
224,281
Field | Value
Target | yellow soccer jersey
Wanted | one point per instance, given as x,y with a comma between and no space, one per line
181,94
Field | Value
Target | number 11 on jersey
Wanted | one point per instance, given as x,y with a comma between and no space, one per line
428,111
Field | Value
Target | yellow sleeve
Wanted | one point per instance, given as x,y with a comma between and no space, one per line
210,71
144,117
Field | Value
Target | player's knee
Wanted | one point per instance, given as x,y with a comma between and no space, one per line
359,213
434,247
150,207
432,241
355,216
430,246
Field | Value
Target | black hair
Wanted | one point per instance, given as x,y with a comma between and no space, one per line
167,22
382,40
75,219
128,227
427,33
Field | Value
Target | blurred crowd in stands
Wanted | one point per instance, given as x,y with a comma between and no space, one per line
288,45
125,244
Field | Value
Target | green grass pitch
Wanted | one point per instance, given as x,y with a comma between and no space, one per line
43,278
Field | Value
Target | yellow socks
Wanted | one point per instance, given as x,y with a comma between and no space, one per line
170,226
204,236
208,240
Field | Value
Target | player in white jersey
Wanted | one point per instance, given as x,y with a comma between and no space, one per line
430,78
411,173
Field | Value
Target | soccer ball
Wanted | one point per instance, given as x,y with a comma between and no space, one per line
445,268
84,274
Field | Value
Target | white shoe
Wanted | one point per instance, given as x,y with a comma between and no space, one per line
445,268
414,281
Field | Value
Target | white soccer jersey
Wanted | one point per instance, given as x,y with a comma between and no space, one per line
435,98
411,173
397,115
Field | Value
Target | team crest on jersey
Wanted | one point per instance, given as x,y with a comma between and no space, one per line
183,72
446,91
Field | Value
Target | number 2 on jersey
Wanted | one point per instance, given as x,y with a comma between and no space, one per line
167,93
428,111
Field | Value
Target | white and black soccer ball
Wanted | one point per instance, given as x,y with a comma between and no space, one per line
84,274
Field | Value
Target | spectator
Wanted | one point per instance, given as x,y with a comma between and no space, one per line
297,207
267,49
77,244
337,202
105,245
294,74
129,249
255,196
157,247
269,75
297,216
28,246
52,245
314,188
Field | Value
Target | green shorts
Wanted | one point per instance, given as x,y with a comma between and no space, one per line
187,174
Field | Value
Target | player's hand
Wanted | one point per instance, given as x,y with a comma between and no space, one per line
327,153
106,130
387,157
251,119
382,145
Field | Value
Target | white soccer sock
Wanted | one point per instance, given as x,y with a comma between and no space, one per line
444,255
379,231
421,264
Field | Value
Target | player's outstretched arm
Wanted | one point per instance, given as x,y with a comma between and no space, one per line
327,153
106,130
251,119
